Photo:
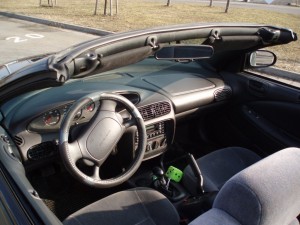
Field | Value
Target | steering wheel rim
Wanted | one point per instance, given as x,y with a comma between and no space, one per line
104,131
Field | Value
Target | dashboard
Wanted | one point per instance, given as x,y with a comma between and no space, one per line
163,91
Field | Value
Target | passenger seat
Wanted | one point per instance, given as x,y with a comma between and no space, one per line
218,167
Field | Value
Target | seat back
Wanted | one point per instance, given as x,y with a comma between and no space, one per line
266,193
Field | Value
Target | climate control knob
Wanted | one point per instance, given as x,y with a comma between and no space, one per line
149,147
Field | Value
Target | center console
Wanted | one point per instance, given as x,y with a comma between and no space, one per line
158,138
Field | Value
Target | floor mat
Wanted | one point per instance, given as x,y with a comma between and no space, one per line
64,195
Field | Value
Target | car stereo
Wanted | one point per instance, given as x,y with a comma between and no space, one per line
156,139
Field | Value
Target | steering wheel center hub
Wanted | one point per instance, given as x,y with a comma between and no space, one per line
103,138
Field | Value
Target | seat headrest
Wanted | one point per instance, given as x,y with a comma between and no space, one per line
268,192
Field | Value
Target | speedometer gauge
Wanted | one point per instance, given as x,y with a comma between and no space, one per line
52,117
90,107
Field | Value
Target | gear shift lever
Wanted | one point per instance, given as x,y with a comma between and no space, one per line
160,183
163,184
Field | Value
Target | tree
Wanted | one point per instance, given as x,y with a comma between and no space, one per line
211,3
106,5
227,6
96,6
50,3
168,2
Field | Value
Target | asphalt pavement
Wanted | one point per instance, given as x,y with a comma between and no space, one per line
19,39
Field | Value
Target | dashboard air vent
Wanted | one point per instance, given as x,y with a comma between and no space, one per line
41,151
18,140
155,110
223,93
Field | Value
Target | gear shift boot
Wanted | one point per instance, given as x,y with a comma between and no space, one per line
170,189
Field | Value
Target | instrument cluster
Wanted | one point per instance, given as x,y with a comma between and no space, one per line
51,120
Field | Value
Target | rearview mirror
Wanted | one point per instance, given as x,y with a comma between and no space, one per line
184,52
262,58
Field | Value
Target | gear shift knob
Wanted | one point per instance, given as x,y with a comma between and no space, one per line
159,173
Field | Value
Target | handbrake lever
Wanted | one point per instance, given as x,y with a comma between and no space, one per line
197,172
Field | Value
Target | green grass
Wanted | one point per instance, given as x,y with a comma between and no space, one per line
136,14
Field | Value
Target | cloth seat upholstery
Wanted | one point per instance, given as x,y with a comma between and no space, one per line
266,193
142,206
218,167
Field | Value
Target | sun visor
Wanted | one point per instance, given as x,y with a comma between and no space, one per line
231,43
125,58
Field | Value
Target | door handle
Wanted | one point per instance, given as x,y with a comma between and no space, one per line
257,86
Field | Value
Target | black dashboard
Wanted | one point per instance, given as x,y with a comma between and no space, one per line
161,90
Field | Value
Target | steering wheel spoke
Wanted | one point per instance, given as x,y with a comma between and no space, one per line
74,151
96,174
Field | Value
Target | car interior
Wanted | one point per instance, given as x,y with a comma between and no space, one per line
162,133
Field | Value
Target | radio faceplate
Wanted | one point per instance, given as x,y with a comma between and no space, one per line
154,130
156,139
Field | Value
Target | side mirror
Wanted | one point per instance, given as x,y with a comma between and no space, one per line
262,58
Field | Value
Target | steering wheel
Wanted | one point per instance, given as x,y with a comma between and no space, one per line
97,141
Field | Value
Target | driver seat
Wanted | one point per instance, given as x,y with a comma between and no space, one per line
266,193
137,206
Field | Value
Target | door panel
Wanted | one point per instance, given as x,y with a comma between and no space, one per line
17,193
271,129
263,116
282,117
